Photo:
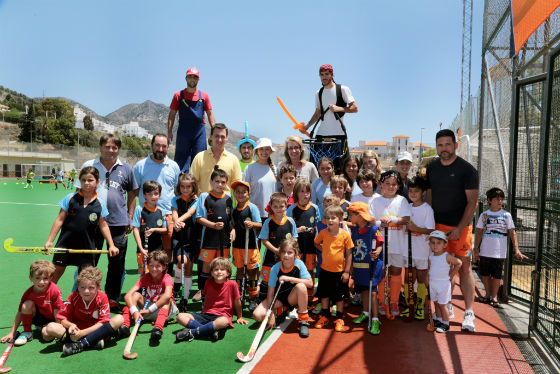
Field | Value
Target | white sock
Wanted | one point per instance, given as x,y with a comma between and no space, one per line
177,275
375,319
187,284
366,314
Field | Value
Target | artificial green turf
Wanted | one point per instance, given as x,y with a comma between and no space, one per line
29,224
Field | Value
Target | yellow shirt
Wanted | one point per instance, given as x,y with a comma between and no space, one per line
334,248
203,166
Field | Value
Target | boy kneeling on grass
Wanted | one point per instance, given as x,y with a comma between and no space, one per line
39,304
221,300
158,291
85,320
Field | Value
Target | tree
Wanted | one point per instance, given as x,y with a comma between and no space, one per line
88,123
61,131
28,126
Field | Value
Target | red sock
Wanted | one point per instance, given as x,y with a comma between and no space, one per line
126,316
161,318
26,320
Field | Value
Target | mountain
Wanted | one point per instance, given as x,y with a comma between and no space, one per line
153,117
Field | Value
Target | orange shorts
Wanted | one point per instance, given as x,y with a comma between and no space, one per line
253,258
463,245
166,238
207,255
310,261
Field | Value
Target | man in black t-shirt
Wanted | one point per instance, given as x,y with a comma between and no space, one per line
453,195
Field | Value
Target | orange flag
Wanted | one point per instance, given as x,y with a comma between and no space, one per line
528,15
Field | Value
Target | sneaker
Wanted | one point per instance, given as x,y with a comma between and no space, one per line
317,309
395,309
468,322
404,312
375,324
218,335
155,336
100,345
451,311
442,328
339,325
381,309
333,311
253,303
357,299
419,314
360,319
303,329
197,296
123,332
322,322
184,335
23,338
72,348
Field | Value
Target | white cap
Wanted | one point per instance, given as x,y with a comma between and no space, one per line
438,235
404,155
264,142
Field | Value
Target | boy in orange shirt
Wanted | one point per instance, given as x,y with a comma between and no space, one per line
336,245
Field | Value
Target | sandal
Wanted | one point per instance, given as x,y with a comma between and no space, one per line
483,300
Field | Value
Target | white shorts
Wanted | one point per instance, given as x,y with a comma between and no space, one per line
440,291
400,261
173,311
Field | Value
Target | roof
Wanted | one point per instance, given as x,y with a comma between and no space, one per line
400,136
417,144
375,143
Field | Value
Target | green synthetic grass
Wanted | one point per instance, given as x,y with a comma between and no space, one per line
27,216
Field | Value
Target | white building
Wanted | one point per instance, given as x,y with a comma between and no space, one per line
79,114
133,128
390,150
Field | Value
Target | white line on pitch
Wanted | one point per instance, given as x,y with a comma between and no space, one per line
10,202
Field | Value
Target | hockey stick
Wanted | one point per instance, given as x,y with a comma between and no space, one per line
369,295
245,260
246,358
6,353
182,243
388,314
430,326
410,281
8,247
220,239
128,347
146,246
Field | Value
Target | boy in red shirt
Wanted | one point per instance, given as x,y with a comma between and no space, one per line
221,300
158,290
39,304
85,320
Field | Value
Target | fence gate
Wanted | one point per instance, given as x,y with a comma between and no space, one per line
545,311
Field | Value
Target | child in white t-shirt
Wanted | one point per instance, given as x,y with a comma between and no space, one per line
492,230
394,213
421,224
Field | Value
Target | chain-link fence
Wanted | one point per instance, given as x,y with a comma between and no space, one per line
514,141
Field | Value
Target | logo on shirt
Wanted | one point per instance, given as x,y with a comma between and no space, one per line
288,236
95,314
159,222
361,250
312,220
93,217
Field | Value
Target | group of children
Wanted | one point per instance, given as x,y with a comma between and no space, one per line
339,242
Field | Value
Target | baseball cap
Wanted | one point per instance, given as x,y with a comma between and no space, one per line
404,155
193,71
438,235
362,209
242,183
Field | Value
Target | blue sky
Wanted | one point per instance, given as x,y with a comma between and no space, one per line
401,59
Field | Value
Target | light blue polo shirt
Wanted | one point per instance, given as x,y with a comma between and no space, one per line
166,174
121,181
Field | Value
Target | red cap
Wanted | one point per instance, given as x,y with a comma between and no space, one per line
326,67
193,71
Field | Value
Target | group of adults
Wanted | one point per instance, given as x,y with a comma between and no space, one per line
453,182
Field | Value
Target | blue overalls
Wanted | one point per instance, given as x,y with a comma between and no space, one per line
191,134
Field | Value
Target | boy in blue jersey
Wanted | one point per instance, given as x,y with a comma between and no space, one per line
296,280
367,261
246,217
275,229
148,222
